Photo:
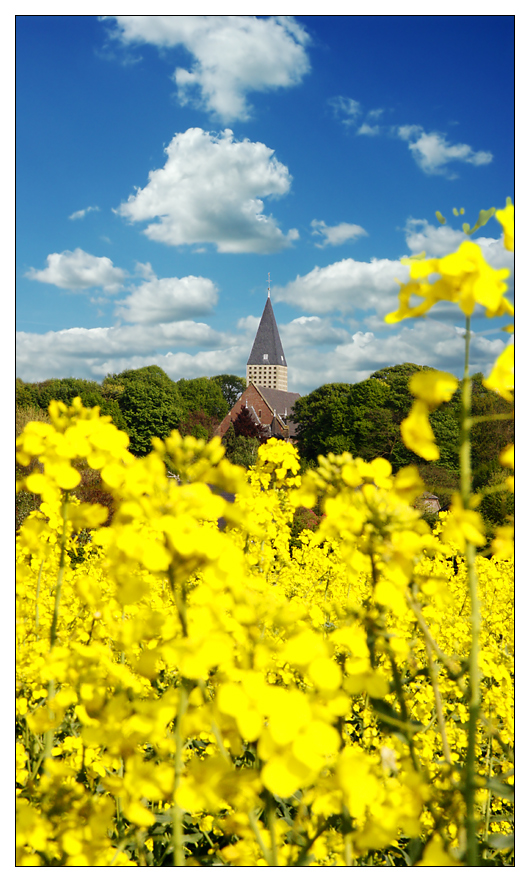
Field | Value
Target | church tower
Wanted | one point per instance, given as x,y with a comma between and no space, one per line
266,365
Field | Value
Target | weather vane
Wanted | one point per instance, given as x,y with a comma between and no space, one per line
269,286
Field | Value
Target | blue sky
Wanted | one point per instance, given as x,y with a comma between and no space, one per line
167,164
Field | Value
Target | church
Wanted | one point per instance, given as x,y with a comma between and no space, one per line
266,396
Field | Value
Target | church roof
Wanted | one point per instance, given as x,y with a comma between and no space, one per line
278,401
267,341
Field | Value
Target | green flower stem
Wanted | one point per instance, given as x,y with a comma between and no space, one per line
491,418
60,574
259,839
48,738
37,599
449,663
180,601
438,704
271,823
179,859
473,668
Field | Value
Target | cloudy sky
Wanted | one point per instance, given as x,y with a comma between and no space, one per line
167,164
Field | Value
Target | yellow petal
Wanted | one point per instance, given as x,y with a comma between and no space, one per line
506,217
501,379
433,387
417,433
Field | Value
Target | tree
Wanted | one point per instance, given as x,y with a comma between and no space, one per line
365,419
247,427
321,417
240,450
242,439
203,394
199,424
489,436
150,403
65,390
231,387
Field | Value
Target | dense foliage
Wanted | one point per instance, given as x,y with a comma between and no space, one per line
242,439
365,420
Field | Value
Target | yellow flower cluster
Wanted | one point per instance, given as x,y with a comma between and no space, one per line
465,278
197,692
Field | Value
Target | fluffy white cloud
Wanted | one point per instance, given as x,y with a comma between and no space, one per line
77,271
182,364
208,191
336,235
426,342
436,241
346,286
432,152
310,332
233,55
78,215
429,342
93,352
166,300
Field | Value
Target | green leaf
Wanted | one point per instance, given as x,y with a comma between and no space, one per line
466,228
500,840
440,217
455,212
499,788
462,211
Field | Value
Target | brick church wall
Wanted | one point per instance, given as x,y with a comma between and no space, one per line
251,399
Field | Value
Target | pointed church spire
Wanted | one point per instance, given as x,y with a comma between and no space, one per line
266,365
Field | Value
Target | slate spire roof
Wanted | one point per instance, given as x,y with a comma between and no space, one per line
267,341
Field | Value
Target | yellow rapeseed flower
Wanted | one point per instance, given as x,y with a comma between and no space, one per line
464,278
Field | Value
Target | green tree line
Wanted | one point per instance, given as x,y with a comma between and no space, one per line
144,402
364,418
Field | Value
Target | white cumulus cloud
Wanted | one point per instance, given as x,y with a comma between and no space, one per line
166,300
432,152
209,192
77,271
232,55
436,241
346,286
336,235
94,352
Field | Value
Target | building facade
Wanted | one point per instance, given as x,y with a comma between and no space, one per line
269,408
266,396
